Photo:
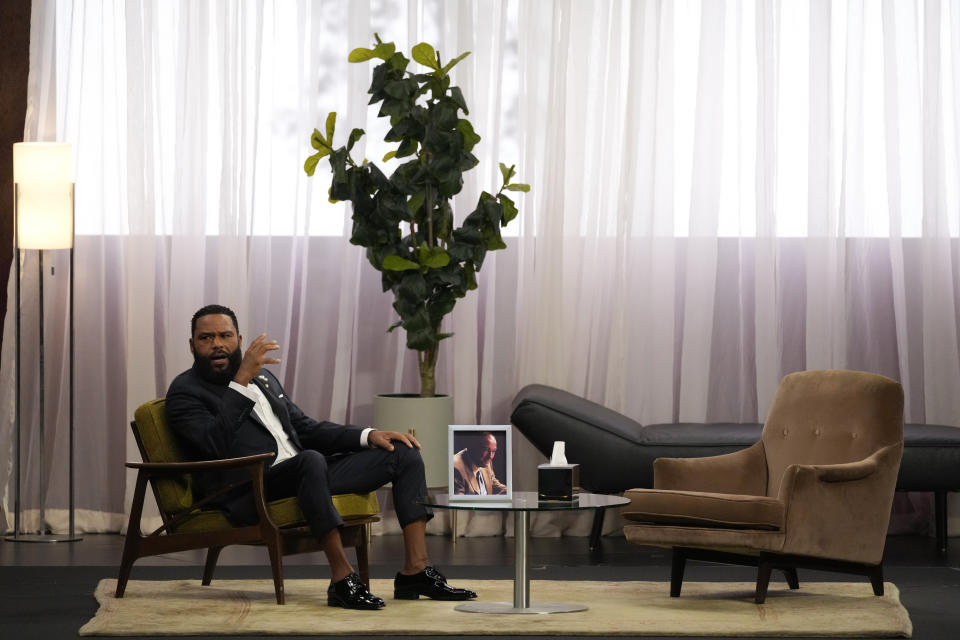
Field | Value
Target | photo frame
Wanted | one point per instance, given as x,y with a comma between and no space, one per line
478,470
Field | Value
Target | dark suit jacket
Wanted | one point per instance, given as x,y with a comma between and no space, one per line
215,422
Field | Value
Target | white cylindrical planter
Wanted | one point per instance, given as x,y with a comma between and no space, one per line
427,419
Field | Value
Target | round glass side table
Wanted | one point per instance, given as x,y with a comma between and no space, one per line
522,504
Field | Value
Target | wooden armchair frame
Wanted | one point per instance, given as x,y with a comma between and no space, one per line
279,540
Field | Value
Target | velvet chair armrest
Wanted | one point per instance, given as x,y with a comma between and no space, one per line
842,510
741,472
847,471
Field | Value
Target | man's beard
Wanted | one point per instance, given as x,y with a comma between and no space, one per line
223,376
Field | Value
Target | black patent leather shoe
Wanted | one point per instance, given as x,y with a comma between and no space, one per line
429,583
351,593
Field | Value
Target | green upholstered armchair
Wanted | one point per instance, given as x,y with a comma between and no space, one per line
814,492
188,523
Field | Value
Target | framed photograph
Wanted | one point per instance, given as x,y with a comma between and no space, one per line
481,462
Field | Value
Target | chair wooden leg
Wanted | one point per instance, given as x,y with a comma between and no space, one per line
273,543
876,580
130,555
679,563
363,558
763,580
790,573
131,543
213,553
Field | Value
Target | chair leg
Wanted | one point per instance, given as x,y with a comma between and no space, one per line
213,553
790,573
678,565
363,557
130,555
763,580
876,580
131,543
276,564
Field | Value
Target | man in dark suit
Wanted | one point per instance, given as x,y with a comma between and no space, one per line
227,406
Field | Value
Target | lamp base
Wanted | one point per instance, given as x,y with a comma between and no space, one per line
42,537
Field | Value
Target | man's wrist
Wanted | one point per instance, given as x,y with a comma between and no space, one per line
242,389
242,378
365,437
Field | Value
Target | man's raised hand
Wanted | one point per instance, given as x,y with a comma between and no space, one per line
255,357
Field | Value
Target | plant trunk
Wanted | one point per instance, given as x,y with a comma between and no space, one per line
428,372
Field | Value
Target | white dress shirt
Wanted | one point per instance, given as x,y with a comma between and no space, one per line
286,448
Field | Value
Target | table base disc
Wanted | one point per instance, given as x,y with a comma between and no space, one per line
507,607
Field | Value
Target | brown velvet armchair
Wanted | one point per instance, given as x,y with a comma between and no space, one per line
814,492
190,523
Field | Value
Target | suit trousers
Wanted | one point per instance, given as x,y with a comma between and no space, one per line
313,478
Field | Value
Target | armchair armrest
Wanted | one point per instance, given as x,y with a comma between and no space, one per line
146,470
200,465
741,472
840,510
847,471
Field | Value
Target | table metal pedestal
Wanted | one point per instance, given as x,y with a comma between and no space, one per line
521,580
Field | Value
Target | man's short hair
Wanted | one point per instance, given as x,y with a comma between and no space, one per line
213,310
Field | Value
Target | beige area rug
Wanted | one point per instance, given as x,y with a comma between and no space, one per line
247,607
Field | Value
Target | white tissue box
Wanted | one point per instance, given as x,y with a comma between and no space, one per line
557,481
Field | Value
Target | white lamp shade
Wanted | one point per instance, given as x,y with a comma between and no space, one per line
43,175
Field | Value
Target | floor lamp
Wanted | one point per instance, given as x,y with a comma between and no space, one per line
43,207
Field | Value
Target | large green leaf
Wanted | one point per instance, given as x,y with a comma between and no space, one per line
317,141
383,50
310,164
331,125
396,263
509,208
507,172
457,96
407,147
425,55
361,54
416,201
470,137
413,288
398,62
355,136
433,257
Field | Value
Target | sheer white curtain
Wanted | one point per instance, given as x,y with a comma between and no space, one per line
723,192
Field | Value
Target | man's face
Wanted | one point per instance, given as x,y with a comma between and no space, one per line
485,454
216,348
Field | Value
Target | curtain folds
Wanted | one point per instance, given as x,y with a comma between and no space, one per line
722,193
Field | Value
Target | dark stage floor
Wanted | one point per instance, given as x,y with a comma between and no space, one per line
47,587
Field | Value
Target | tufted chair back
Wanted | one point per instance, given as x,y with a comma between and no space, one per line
830,417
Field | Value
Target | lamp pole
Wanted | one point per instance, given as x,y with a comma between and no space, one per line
44,210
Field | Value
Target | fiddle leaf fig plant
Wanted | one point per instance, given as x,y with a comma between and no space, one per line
406,221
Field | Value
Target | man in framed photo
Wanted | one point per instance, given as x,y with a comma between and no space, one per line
473,468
